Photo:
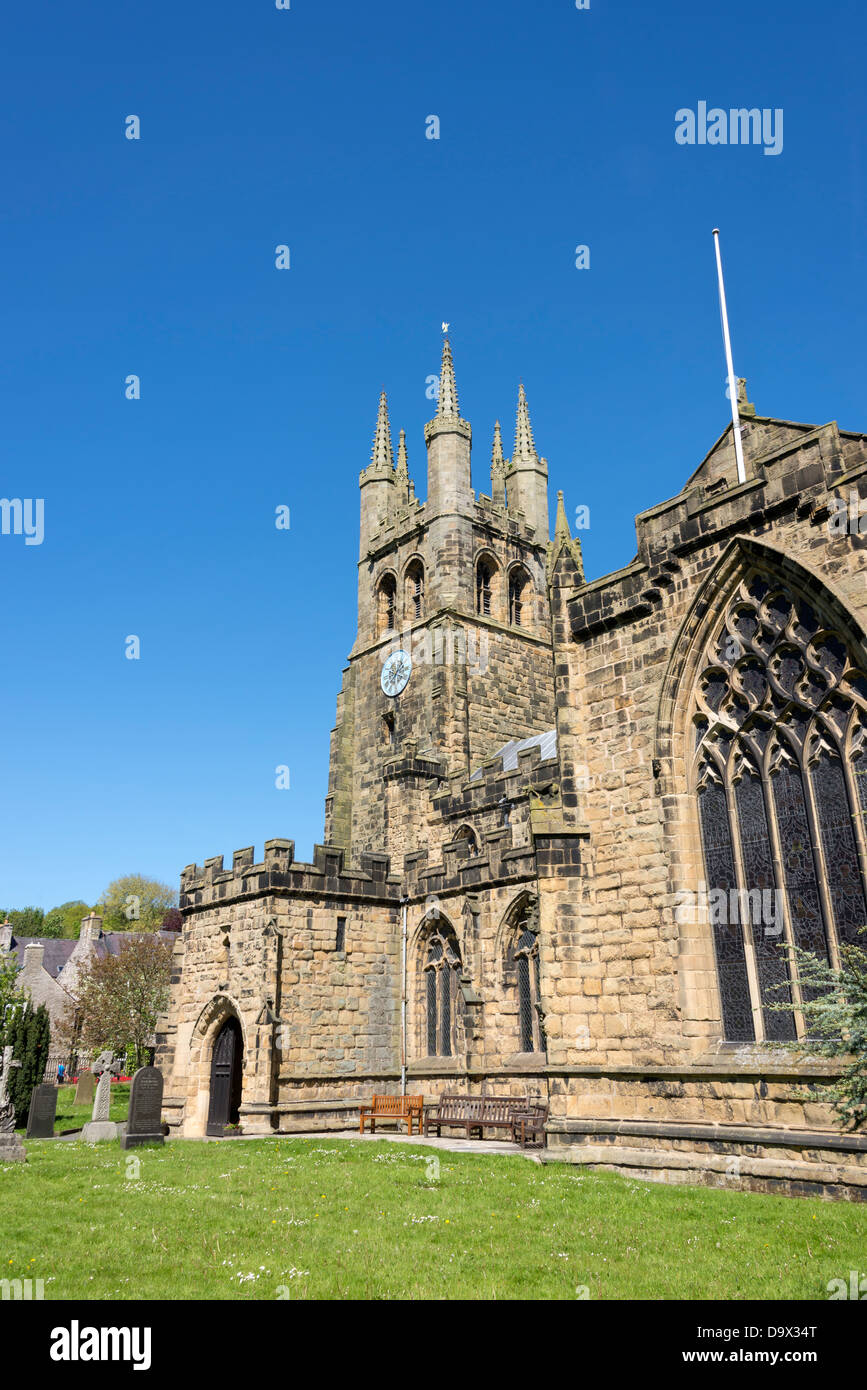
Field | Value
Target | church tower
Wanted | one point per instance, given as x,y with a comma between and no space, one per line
453,652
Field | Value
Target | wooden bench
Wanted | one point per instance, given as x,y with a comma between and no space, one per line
474,1113
528,1125
409,1108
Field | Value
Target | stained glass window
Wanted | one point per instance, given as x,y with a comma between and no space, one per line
522,954
764,914
845,888
780,705
728,939
441,980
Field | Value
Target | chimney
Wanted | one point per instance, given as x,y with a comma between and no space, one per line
33,953
91,927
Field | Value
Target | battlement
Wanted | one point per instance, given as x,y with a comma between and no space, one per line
460,869
494,782
401,523
278,873
791,469
499,790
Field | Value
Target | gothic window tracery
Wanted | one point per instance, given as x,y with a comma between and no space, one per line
779,746
442,966
522,968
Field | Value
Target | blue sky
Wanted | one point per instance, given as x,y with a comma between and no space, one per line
259,387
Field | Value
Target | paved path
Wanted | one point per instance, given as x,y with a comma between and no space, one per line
455,1146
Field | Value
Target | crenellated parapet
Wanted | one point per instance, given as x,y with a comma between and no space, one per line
496,785
278,874
497,806
793,471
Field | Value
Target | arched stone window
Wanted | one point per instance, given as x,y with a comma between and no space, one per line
414,590
442,977
386,603
484,588
467,833
522,973
779,759
520,598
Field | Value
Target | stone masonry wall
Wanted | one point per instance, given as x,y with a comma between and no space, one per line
629,985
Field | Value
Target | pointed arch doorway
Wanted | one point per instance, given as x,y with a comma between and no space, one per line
226,1066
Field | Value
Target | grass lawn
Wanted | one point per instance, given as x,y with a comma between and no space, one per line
302,1218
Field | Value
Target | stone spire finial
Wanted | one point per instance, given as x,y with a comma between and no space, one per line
744,406
525,447
498,462
382,454
563,541
402,460
562,534
498,468
447,403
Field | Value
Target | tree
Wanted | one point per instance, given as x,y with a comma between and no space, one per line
121,997
25,921
834,1005
65,921
8,992
30,1036
135,903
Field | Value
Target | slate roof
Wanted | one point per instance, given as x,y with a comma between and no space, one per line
509,752
56,952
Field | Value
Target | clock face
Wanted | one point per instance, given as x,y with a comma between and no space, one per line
396,671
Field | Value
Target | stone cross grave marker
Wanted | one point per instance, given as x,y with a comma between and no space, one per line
43,1108
4,1076
102,1100
144,1125
11,1148
100,1126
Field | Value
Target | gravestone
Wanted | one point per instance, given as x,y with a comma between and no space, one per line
144,1125
43,1108
11,1148
100,1126
84,1088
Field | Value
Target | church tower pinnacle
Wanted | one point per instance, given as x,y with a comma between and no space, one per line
498,469
447,400
377,481
449,441
527,474
382,454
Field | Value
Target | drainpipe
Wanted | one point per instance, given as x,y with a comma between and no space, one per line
403,1002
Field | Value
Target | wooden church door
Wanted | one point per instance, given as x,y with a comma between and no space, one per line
225,1078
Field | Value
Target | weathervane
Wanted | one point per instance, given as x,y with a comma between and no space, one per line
445,328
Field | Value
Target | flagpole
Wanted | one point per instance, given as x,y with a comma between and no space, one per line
733,386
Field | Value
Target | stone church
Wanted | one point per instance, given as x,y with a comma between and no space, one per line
571,825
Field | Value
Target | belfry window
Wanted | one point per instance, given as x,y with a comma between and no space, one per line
780,768
518,589
386,602
483,589
414,606
442,985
